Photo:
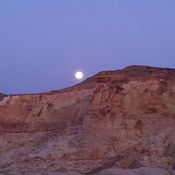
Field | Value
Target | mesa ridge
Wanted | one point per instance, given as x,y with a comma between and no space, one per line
118,122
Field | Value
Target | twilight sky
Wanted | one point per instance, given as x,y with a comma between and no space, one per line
43,42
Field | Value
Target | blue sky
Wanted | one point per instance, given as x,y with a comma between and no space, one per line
43,42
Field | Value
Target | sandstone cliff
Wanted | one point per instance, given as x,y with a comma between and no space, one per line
115,123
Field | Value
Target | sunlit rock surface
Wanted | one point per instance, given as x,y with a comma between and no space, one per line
115,123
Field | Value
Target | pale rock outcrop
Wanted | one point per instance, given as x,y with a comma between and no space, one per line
117,122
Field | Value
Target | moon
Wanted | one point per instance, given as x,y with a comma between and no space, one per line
79,75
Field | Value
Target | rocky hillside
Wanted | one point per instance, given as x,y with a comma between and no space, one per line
115,123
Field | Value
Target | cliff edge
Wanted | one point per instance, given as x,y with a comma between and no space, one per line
119,122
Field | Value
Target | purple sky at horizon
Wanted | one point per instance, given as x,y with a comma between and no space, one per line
43,43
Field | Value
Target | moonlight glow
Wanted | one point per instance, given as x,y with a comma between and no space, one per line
79,75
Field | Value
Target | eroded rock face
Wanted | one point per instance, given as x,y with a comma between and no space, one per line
115,122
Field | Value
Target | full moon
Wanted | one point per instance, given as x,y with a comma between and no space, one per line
79,75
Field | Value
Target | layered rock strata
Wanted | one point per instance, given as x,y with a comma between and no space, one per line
117,122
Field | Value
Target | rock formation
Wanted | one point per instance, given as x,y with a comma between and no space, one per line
115,123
